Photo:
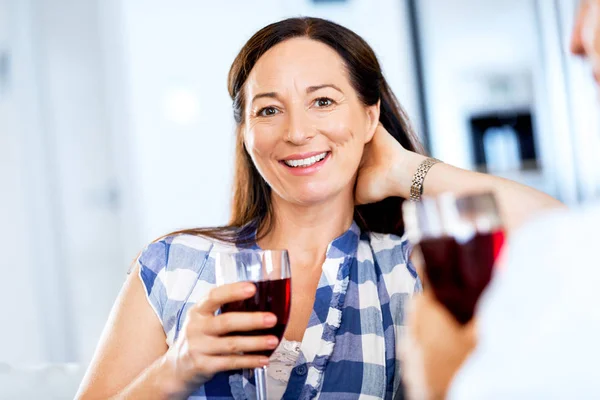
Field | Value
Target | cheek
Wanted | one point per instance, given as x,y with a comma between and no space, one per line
343,128
259,142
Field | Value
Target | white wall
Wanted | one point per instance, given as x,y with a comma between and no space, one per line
463,43
75,117
64,261
184,49
20,318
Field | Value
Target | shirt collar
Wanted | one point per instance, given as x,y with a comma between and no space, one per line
342,246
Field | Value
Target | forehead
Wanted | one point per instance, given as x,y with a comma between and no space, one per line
298,62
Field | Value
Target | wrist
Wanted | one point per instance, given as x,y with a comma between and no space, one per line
167,380
403,172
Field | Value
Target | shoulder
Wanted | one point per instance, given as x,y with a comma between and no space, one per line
555,237
169,267
558,247
171,253
555,222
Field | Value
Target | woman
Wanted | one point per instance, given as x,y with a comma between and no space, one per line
319,130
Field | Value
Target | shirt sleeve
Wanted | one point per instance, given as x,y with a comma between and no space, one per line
152,263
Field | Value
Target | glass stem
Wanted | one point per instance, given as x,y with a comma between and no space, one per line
260,379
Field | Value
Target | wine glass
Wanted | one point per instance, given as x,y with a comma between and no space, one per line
269,270
459,239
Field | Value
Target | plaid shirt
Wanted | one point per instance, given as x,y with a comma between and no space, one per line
350,349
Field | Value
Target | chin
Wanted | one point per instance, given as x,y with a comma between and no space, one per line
314,194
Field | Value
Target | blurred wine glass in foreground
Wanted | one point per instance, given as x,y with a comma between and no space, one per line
460,239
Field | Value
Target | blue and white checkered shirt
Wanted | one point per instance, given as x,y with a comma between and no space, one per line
350,349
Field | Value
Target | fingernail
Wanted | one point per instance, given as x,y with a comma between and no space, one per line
272,341
249,288
264,361
270,319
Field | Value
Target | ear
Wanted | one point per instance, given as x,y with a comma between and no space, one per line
372,120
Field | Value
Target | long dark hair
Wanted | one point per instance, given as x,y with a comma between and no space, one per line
251,206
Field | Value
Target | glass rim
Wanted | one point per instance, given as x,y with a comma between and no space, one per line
264,265
432,217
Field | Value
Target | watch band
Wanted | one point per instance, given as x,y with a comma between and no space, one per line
416,189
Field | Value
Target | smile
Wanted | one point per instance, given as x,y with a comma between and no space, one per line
306,162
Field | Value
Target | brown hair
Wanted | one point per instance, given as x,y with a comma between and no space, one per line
251,206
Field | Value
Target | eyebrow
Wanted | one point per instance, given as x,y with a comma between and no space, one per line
272,95
310,89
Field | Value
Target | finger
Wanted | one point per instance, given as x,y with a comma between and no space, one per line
240,322
226,363
228,345
225,294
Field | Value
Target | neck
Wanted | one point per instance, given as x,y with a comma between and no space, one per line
306,231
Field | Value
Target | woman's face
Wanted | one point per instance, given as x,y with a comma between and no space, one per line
305,127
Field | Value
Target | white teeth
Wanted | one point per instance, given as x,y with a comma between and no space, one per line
307,162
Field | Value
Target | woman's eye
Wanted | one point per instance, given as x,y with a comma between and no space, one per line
323,102
268,111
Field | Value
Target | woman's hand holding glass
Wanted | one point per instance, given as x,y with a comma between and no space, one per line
204,348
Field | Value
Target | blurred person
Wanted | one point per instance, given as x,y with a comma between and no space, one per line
324,159
538,324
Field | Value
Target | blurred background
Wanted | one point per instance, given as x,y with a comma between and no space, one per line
116,128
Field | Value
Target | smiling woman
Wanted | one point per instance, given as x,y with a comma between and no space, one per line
318,132
297,78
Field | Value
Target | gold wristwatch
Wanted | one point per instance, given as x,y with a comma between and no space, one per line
416,189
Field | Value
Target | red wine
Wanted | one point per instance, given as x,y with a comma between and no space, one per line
271,296
458,272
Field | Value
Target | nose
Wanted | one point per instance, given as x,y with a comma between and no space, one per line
577,47
299,129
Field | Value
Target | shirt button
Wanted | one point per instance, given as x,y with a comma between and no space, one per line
301,369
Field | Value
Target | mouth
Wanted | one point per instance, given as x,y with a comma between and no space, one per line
307,161
306,164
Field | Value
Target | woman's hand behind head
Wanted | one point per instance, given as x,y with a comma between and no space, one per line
381,169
